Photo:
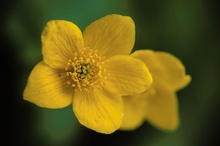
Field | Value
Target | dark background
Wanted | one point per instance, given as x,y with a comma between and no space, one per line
188,29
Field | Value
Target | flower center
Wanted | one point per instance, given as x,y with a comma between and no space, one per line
85,70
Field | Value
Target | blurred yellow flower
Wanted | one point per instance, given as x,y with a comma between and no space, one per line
92,71
158,104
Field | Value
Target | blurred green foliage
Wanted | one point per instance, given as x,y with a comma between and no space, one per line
187,29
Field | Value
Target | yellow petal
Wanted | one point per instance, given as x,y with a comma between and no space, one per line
162,108
98,110
134,113
174,67
111,35
60,39
128,75
164,67
47,87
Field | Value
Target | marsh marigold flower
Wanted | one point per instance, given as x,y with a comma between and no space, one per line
91,71
158,104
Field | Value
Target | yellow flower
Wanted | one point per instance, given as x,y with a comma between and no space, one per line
158,104
92,71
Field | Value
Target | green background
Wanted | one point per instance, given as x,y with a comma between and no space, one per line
189,29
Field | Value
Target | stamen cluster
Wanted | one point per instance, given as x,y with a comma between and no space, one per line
85,69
